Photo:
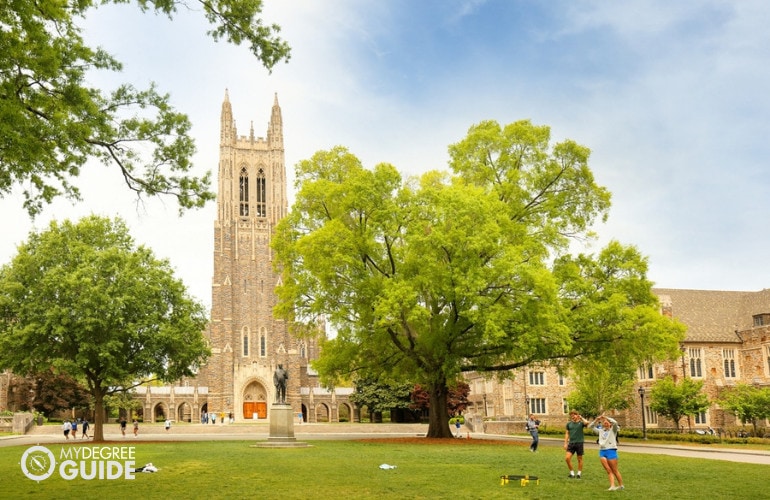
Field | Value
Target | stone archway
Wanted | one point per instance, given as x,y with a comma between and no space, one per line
159,413
254,401
322,413
345,412
184,413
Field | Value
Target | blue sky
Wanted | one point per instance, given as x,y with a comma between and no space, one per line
671,97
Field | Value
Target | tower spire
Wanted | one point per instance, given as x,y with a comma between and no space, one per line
227,125
275,127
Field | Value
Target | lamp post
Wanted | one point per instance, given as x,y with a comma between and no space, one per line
485,404
644,424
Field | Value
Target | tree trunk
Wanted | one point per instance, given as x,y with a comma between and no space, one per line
438,418
98,415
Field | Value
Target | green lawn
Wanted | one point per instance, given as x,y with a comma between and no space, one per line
454,469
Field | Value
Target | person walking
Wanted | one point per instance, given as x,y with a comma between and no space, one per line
168,424
607,428
85,429
74,429
573,443
136,428
532,426
458,425
66,428
123,426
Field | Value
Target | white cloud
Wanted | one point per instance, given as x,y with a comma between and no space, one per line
670,96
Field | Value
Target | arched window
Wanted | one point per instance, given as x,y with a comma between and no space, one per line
261,194
245,341
243,193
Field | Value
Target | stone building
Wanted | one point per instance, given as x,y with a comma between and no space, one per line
727,342
247,342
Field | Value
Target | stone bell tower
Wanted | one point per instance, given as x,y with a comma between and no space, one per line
247,342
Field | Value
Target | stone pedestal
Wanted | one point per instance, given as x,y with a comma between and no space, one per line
281,423
281,428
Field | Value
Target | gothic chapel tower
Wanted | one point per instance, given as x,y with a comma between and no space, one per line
247,342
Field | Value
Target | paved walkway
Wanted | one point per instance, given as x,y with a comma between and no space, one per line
259,431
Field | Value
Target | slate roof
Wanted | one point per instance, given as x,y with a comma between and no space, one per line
713,315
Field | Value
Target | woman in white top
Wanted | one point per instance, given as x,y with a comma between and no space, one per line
607,428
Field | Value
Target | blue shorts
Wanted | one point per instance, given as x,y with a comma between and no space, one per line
611,454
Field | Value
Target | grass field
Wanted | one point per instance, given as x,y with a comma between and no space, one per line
451,469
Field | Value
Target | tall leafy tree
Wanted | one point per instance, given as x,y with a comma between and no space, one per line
123,401
749,403
83,299
50,392
379,396
599,388
427,278
52,121
676,400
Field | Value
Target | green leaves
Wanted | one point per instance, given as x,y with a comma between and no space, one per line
675,401
52,123
430,277
81,297
749,403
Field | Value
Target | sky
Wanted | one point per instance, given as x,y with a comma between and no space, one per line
672,98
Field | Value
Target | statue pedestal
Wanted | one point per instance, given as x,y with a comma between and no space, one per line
281,423
281,428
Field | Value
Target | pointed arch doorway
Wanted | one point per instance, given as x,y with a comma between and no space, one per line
254,401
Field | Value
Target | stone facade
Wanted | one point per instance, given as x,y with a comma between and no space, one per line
727,342
247,342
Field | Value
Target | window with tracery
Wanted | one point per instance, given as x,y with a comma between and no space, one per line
261,194
728,356
646,372
696,364
243,193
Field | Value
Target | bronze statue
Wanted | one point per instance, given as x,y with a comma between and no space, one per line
279,380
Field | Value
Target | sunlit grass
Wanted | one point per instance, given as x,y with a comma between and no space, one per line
453,469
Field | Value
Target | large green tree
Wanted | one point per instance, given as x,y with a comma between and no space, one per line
676,400
83,299
380,396
749,403
598,388
52,121
430,277
49,392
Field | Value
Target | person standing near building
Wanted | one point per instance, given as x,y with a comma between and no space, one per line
608,428
573,443
532,426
